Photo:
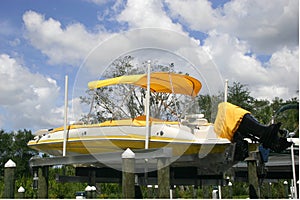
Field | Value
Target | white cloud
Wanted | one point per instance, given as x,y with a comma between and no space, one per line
266,26
147,14
27,99
228,53
198,14
62,45
277,78
283,73
237,32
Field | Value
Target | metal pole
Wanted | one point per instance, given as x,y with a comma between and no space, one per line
226,90
294,172
147,107
65,116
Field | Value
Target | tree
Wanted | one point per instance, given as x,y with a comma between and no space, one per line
6,141
262,111
208,105
21,152
288,113
127,101
239,95
14,146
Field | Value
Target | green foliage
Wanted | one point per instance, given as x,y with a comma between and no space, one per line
14,146
288,113
262,110
239,94
208,105
111,190
26,183
59,190
1,187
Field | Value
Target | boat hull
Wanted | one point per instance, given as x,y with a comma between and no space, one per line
200,148
95,146
97,139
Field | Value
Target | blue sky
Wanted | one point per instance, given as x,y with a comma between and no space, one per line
249,41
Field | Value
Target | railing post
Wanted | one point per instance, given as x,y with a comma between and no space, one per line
9,179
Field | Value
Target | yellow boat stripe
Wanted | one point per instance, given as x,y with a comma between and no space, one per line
130,137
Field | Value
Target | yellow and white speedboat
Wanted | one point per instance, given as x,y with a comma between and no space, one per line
192,135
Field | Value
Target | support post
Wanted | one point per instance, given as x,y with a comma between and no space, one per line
163,178
43,182
92,177
21,192
128,177
147,106
88,191
286,188
254,191
226,90
9,179
65,117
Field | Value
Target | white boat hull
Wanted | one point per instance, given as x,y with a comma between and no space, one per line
95,139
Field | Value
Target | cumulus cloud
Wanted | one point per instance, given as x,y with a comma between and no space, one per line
236,33
199,15
67,45
266,26
27,99
283,68
147,14
278,77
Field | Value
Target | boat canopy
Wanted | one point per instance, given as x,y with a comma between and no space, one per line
164,82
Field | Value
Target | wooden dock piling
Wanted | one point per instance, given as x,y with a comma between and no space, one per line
163,178
21,192
128,177
254,191
43,173
9,179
